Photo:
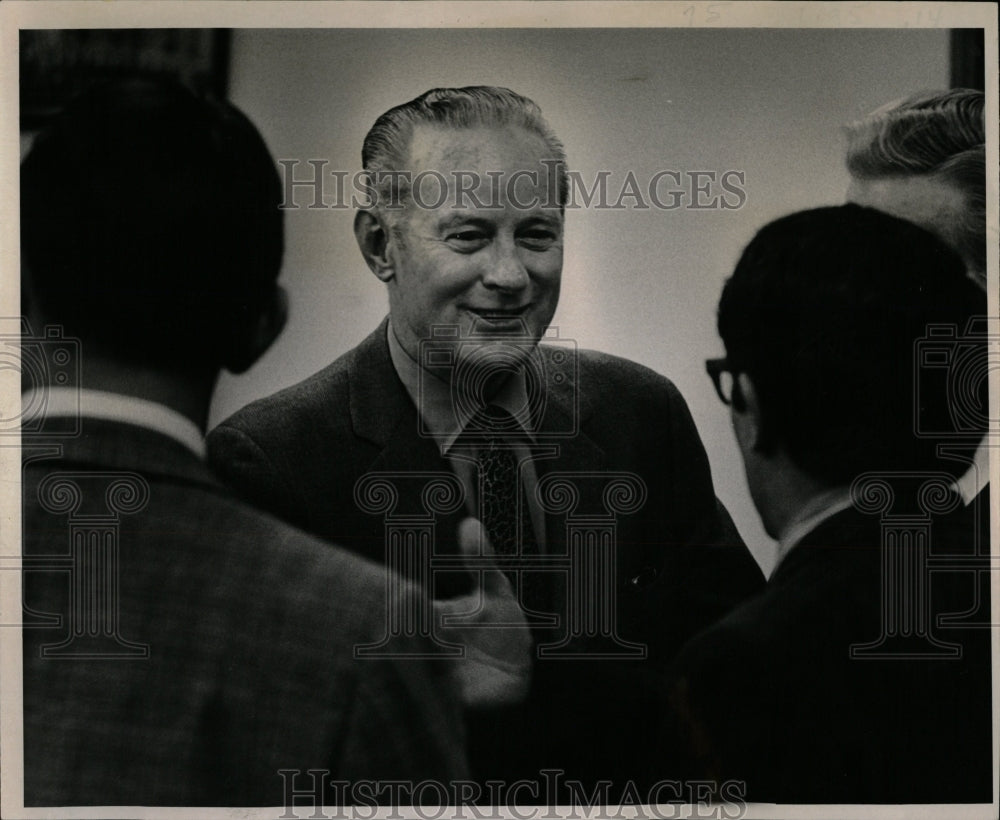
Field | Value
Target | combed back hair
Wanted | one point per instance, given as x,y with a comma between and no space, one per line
150,222
823,312
387,145
937,133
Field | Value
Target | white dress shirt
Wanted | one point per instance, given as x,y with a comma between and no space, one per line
99,404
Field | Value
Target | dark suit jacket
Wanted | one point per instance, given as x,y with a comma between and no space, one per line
250,628
680,563
771,696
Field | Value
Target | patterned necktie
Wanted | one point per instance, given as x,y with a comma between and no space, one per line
503,507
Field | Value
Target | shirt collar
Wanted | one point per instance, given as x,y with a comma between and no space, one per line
99,404
976,477
817,510
444,417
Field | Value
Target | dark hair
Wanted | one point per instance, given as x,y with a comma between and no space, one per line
150,222
387,143
823,312
941,134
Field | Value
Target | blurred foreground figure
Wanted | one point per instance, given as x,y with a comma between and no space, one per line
189,647
843,682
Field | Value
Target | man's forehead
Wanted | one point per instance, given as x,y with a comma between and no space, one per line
923,199
482,171
475,148
460,213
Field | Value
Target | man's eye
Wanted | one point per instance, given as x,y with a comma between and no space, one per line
539,240
467,240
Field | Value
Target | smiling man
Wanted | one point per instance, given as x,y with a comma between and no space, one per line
466,231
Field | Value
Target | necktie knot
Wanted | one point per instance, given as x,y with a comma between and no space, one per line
494,420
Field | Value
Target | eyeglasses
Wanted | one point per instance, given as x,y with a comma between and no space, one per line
722,377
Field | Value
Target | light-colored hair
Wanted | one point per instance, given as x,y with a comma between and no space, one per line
941,134
387,144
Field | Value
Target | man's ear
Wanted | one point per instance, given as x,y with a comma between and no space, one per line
253,340
373,239
746,412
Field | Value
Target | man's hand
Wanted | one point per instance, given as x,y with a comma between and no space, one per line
496,669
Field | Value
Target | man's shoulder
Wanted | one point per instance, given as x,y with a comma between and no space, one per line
283,548
320,581
320,399
743,633
597,370
318,391
821,590
209,532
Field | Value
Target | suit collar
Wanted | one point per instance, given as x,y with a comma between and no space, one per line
847,532
72,403
121,446
821,507
380,403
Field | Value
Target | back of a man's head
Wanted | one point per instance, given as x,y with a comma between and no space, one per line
940,136
824,312
150,223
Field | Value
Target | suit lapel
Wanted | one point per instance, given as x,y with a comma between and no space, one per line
378,400
383,414
567,410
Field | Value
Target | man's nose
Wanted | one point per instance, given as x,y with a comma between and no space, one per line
507,271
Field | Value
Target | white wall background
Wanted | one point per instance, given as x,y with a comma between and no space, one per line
641,284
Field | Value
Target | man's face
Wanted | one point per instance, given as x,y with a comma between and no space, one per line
489,257
925,201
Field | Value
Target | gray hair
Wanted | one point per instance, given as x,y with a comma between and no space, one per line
941,134
387,143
